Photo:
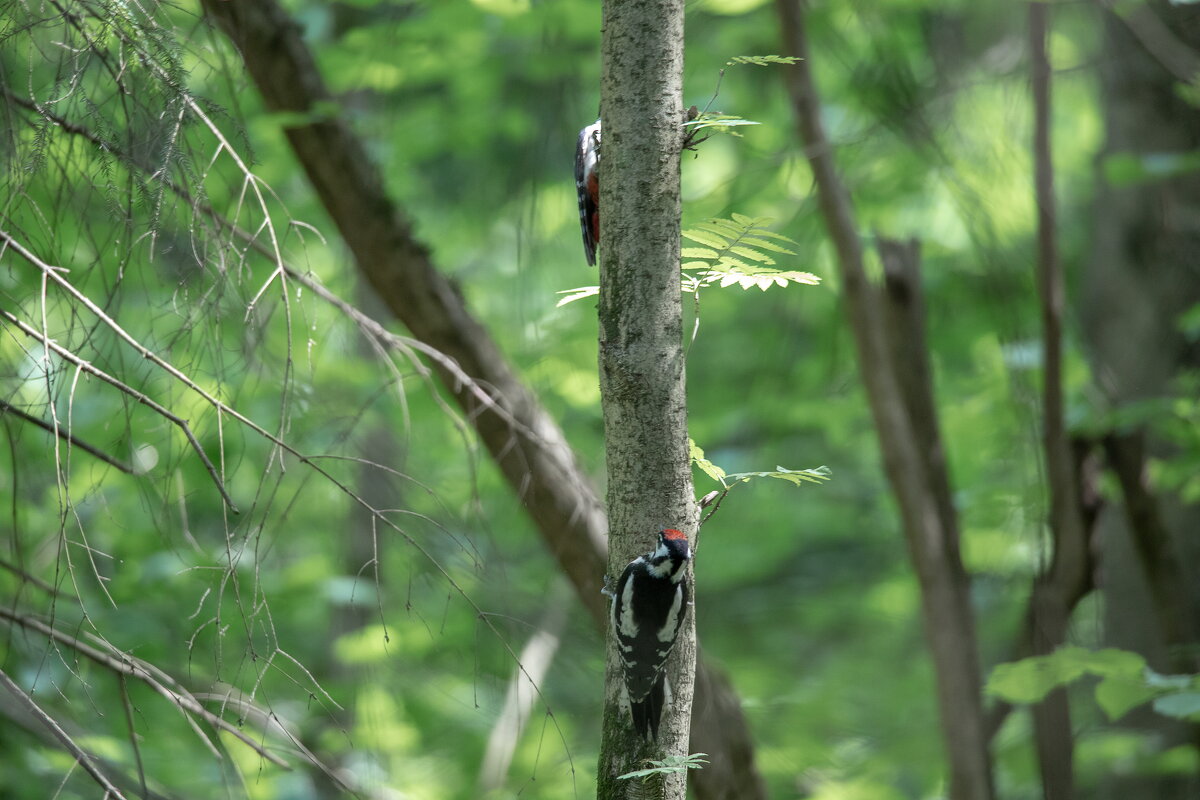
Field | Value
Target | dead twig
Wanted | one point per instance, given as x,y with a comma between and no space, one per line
81,755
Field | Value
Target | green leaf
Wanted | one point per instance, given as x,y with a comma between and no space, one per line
1118,695
761,61
1126,169
719,123
1183,705
668,765
735,256
755,241
753,255
724,227
1031,679
795,476
1189,323
705,238
1159,681
707,467
731,261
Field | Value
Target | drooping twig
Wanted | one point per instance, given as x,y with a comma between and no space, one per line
75,441
537,656
80,755
91,369
128,665
141,397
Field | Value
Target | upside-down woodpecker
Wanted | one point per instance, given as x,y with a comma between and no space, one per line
587,183
648,608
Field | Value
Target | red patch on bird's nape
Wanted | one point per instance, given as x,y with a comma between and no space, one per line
671,533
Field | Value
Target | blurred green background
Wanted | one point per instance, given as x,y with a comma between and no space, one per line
359,639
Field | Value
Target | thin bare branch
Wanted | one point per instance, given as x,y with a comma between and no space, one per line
29,578
81,756
537,655
1068,567
75,441
1160,42
125,664
142,398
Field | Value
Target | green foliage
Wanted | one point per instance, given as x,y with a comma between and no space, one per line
761,61
1125,681
668,765
729,247
796,477
342,627
718,123
1131,169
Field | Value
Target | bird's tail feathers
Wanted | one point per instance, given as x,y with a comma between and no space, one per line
647,712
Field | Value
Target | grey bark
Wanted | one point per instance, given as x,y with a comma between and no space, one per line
642,379
1144,272
527,445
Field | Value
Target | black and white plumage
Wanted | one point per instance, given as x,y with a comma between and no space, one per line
587,184
648,609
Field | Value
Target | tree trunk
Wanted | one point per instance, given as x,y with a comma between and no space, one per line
642,379
1050,605
931,531
1141,276
527,445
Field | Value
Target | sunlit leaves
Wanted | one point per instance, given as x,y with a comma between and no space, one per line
668,765
739,251
1125,681
718,123
762,61
796,477
707,467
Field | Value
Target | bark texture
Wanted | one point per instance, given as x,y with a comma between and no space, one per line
1050,603
931,530
1142,274
525,442
642,379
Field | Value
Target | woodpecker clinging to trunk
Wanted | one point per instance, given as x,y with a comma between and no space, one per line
587,183
648,608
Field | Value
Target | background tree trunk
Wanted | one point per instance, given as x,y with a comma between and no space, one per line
1142,275
912,465
528,446
642,377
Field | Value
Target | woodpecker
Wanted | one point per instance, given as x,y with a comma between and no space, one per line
648,608
587,183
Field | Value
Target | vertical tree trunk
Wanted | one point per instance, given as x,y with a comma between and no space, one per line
528,447
930,532
641,354
1049,605
1142,274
